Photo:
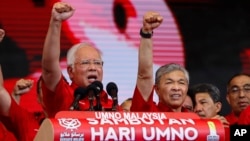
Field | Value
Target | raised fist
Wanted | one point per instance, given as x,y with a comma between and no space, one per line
62,11
151,20
23,86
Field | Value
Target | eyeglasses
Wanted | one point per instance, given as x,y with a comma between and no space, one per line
236,90
86,63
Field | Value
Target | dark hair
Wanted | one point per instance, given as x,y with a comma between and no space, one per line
235,75
211,89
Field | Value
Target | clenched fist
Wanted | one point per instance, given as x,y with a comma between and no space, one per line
151,20
62,11
22,86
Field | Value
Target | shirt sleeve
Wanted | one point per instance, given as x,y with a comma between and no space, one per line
139,104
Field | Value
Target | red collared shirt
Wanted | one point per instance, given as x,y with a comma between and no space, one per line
62,98
140,105
23,124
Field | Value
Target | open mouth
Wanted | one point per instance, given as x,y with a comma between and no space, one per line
92,78
175,96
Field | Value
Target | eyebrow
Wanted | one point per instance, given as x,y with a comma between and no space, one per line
170,79
247,84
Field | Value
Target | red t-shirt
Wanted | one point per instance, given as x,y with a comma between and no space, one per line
148,106
63,96
231,118
23,124
6,135
244,118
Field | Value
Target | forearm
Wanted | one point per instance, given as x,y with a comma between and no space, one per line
51,49
5,102
51,55
145,68
145,83
51,71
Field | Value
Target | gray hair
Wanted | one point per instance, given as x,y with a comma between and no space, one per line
169,68
71,52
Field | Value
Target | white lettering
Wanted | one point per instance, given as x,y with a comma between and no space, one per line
189,132
170,133
181,121
240,132
107,115
126,133
111,134
95,133
92,121
123,133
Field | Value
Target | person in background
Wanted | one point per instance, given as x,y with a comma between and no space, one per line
21,87
244,118
207,101
171,80
238,96
17,120
126,104
5,135
207,104
188,103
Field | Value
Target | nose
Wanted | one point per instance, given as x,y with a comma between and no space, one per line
176,87
197,108
92,66
242,93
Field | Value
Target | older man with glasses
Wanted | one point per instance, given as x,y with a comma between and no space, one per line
238,96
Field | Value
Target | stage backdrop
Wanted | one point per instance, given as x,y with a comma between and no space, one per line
112,25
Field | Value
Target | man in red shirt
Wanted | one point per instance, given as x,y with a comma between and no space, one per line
238,96
5,135
19,121
171,80
22,123
207,103
244,118
85,65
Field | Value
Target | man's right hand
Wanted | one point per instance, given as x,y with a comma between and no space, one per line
23,86
62,11
151,20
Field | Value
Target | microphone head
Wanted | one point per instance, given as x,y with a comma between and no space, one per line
80,91
98,85
111,86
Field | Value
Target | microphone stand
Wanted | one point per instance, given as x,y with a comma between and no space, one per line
98,106
115,103
91,101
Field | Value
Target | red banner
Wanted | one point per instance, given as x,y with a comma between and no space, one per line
135,126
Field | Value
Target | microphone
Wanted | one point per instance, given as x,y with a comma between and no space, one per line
79,94
112,90
94,90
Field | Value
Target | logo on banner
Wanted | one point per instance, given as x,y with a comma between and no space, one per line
213,135
69,123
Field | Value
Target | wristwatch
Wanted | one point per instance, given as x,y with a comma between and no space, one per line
145,35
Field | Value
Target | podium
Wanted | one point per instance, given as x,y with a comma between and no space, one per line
88,126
